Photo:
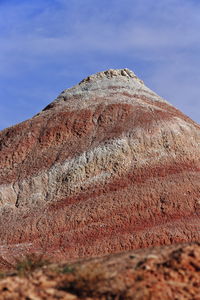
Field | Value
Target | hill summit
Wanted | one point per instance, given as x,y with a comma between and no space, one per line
108,166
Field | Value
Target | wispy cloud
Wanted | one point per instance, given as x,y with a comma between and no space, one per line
46,46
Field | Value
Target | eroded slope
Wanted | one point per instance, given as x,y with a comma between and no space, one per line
108,166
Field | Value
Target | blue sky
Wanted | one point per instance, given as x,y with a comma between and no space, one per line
47,46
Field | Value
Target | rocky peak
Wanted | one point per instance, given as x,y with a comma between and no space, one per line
112,73
118,85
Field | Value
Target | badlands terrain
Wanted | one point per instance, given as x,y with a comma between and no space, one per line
107,167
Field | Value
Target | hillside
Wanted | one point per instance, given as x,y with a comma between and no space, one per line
108,166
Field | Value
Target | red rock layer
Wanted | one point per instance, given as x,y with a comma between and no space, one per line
108,166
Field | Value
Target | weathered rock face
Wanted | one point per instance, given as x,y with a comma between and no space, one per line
107,166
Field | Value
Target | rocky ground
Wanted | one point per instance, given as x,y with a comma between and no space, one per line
170,272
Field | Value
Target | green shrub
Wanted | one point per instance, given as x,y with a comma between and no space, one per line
30,263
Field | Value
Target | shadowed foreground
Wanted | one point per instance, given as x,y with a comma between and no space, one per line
170,272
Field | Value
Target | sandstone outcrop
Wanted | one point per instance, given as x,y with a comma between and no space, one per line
108,166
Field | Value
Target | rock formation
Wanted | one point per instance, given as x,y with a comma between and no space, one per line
108,166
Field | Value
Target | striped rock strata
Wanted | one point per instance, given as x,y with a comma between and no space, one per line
108,166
